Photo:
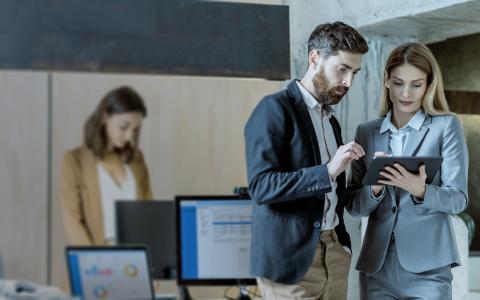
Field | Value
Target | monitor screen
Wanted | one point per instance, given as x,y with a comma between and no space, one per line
109,273
213,240
151,223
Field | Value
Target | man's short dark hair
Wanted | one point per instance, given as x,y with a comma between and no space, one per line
329,38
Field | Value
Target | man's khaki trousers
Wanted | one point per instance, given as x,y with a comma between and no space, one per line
326,279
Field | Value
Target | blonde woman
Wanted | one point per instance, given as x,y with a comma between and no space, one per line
108,166
409,246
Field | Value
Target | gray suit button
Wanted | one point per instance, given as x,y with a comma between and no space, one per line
316,224
394,209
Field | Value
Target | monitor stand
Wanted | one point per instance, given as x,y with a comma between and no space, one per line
183,293
244,294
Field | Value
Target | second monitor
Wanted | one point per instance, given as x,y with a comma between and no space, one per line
151,223
213,236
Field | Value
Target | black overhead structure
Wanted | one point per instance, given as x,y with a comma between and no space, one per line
175,37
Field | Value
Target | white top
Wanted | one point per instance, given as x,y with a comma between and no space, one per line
328,146
398,136
109,193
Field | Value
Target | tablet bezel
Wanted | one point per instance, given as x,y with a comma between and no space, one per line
411,163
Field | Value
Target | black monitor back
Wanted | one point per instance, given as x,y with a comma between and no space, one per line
151,223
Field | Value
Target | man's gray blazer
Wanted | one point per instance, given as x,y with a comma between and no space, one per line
424,235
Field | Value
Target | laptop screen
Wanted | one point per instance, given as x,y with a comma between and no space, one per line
109,273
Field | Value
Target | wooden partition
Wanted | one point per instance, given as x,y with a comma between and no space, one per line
23,175
471,126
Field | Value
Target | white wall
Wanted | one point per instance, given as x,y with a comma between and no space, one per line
474,265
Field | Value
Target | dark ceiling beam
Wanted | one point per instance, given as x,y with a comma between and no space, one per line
174,37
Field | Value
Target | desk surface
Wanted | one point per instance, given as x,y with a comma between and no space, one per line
200,292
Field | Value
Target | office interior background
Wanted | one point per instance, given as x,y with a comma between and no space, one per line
192,138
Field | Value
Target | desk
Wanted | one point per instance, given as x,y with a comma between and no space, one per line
199,292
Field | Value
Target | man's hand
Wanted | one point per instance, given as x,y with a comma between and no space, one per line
343,157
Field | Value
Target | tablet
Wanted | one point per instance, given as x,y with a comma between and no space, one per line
411,163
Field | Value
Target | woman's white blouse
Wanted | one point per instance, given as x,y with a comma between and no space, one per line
110,192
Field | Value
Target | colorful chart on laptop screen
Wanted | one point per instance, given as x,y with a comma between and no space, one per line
109,274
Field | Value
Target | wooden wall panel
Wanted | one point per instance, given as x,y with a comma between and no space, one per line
471,126
192,137
462,102
23,170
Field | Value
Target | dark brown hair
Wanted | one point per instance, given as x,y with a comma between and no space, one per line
329,38
120,100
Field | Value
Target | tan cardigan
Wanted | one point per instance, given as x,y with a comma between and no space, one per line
80,195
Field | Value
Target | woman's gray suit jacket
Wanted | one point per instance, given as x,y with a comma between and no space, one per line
424,236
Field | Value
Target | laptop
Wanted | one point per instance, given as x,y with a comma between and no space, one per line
110,272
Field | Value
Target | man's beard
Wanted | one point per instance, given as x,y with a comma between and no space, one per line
327,97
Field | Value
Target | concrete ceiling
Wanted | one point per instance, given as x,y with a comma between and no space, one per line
433,26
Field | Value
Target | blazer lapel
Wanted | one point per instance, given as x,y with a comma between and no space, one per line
341,179
381,142
94,197
302,109
337,130
415,138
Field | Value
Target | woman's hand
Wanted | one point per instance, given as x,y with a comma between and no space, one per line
377,189
399,176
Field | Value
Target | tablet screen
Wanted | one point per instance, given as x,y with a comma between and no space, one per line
411,163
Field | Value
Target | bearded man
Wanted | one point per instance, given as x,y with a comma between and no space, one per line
296,163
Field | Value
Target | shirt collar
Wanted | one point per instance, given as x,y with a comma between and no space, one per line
415,122
310,101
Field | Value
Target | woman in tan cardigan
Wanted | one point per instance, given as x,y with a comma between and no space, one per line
107,167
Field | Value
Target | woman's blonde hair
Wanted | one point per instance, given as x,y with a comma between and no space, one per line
418,55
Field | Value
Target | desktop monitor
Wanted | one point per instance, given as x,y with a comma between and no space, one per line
109,272
151,223
213,240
